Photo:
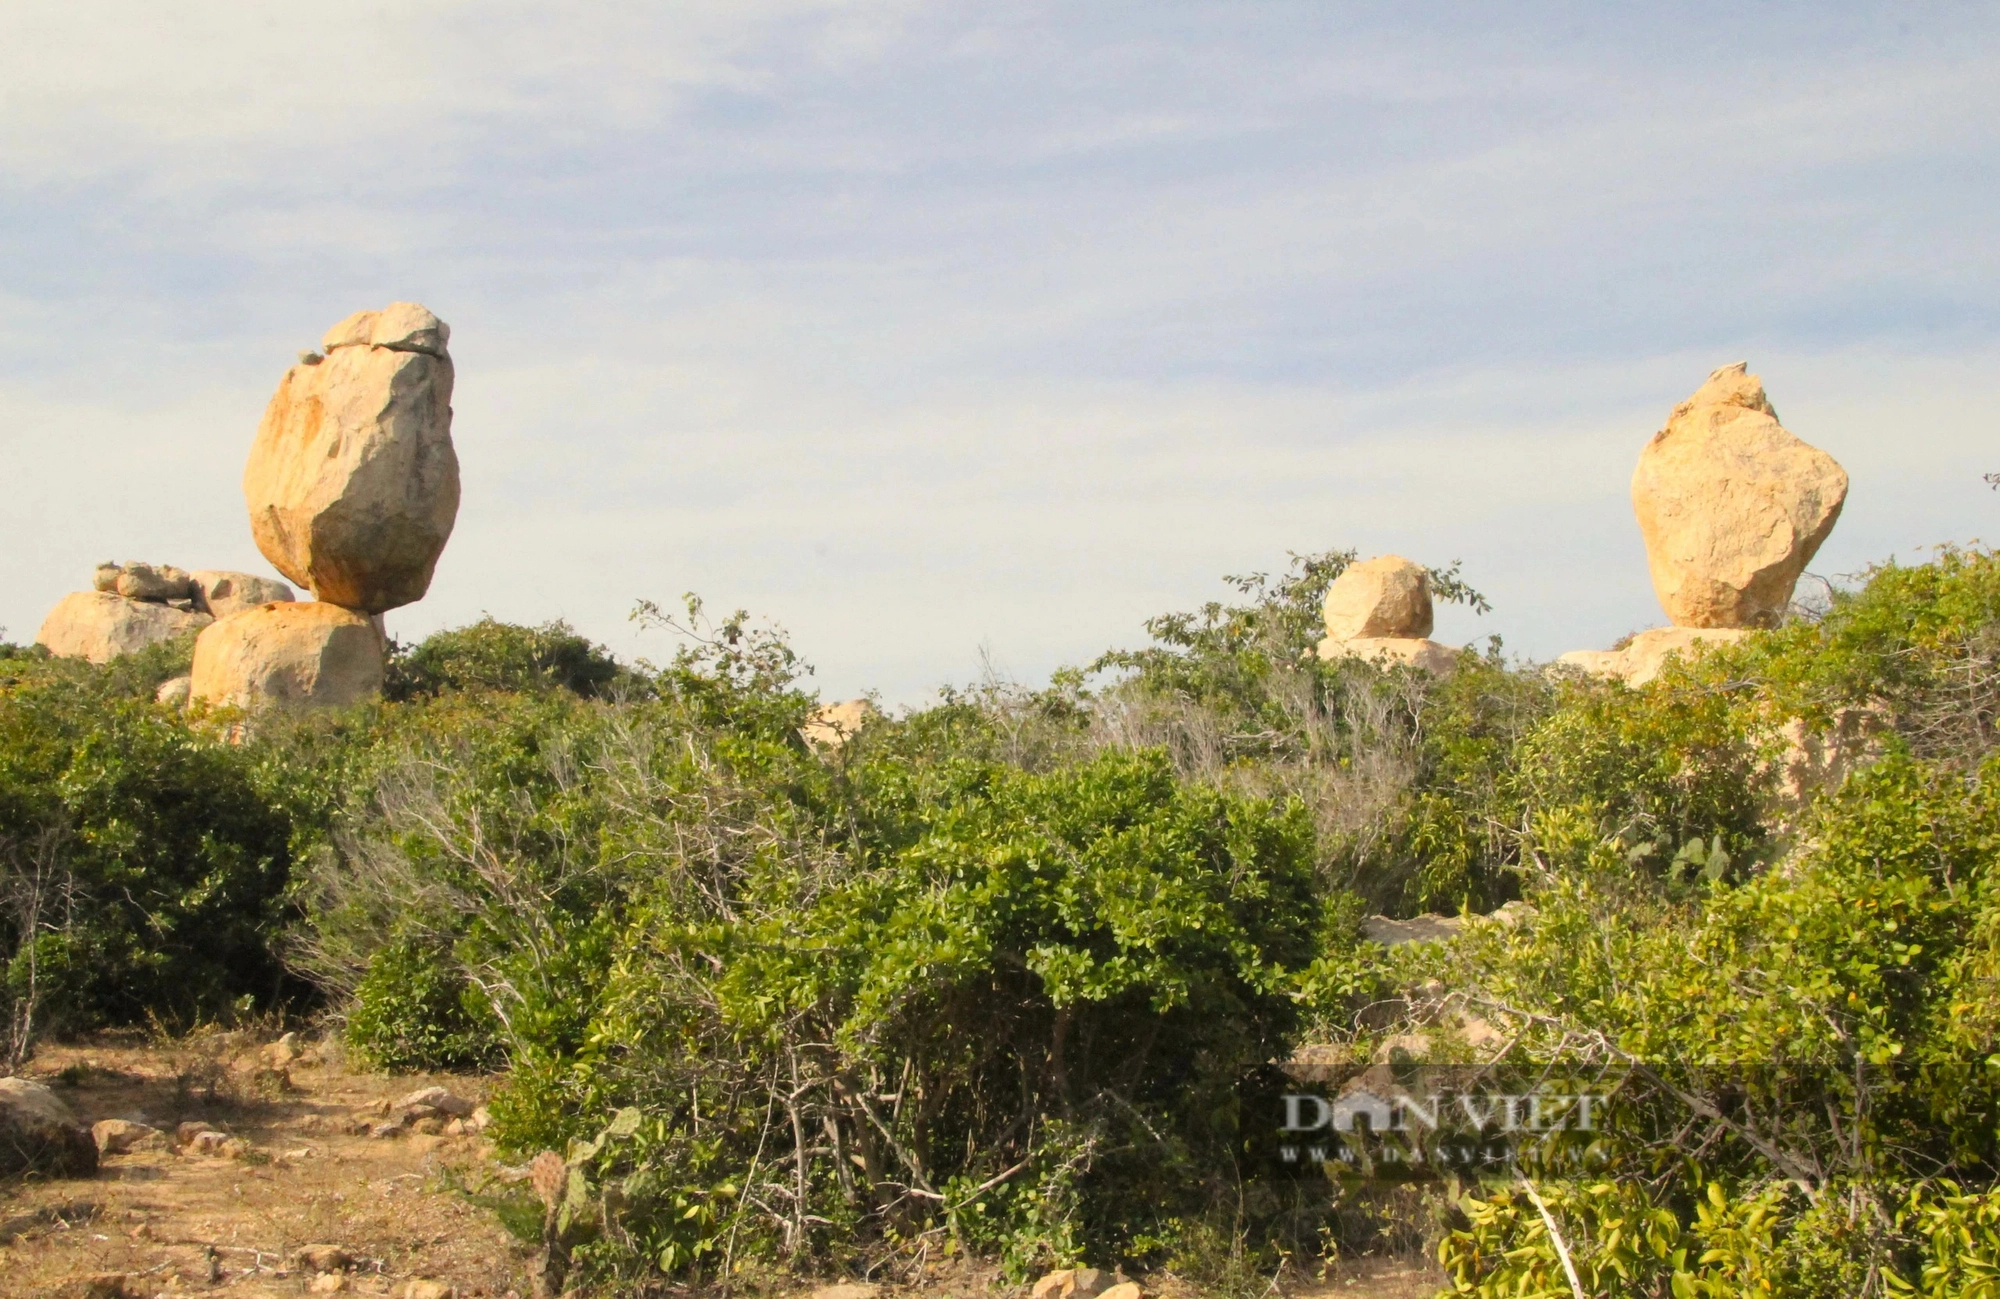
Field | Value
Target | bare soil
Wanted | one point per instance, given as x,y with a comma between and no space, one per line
160,1222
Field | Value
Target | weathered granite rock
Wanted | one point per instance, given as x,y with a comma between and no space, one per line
220,593
38,1134
99,626
175,692
1393,651
835,724
1732,505
305,653
1380,598
159,582
352,482
1644,656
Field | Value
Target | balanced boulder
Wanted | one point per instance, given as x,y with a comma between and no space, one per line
305,653
1379,610
1732,505
1387,596
38,1134
159,582
220,593
352,482
99,626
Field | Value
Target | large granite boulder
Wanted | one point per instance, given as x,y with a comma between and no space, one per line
1732,505
221,593
352,482
1387,596
99,626
302,654
1393,651
39,1135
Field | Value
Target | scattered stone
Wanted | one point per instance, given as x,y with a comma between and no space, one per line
217,1145
427,1290
385,1131
174,692
39,1134
352,482
118,1136
1073,1283
1381,598
1732,505
1645,655
482,1118
188,1131
220,593
328,1283
322,1258
835,724
430,1126
1389,652
282,1052
98,626
307,654
155,582
437,1098
1124,1290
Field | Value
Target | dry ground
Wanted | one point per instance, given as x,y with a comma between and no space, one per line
416,1207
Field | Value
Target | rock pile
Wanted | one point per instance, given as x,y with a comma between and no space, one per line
133,605
352,487
1732,507
1380,610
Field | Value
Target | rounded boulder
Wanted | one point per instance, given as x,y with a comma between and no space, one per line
352,482
301,654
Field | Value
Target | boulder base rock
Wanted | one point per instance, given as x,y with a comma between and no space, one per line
1732,505
99,626
352,482
302,654
38,1134
1392,651
220,593
1379,598
1645,655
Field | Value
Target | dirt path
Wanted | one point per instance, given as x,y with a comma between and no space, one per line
304,1172
232,1225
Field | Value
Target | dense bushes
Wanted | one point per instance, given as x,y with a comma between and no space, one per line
144,868
1012,974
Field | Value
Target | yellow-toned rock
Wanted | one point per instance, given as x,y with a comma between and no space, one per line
221,593
1393,651
1387,597
99,626
1732,505
836,724
306,653
1643,657
352,482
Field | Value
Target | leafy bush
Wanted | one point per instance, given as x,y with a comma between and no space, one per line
493,655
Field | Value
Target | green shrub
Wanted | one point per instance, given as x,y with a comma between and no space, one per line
414,1011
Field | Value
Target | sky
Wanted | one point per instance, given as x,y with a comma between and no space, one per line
948,335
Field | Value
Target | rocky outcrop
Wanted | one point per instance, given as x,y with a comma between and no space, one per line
1732,505
1379,610
1643,657
220,593
99,625
162,583
352,482
835,724
302,654
38,1134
